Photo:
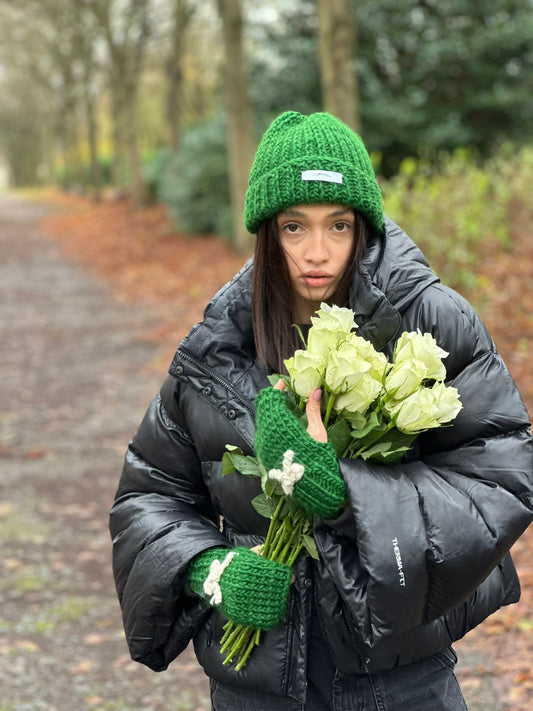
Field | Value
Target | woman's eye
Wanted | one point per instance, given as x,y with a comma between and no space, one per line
341,226
291,228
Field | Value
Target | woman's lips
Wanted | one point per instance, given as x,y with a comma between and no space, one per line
317,279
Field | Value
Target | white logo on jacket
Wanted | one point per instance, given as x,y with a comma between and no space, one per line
397,555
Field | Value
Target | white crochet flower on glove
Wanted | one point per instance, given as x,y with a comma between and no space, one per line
289,474
212,582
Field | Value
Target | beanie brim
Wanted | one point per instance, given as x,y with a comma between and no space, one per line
283,187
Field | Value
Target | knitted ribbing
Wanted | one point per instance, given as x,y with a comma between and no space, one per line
321,490
295,143
254,589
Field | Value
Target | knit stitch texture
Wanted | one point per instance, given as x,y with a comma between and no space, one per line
254,589
321,490
295,143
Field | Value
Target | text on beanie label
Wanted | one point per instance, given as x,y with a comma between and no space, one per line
326,176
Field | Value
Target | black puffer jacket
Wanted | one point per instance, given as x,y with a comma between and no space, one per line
419,557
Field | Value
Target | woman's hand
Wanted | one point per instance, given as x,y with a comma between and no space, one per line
248,589
279,435
315,426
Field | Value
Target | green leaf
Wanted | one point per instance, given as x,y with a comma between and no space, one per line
378,449
227,464
310,546
262,504
357,421
339,436
393,455
368,424
399,442
391,447
291,507
302,337
236,461
272,488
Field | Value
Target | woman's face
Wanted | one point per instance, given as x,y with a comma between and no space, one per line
317,241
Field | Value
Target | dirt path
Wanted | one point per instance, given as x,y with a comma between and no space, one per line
74,385
76,377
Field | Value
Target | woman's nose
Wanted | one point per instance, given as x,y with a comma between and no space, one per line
317,250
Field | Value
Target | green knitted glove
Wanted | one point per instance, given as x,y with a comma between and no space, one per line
321,489
247,589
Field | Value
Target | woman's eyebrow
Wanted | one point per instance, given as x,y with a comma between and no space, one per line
293,212
340,211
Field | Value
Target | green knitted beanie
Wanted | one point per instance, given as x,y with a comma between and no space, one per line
253,590
321,489
303,160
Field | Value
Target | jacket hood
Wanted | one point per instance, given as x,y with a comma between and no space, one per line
395,266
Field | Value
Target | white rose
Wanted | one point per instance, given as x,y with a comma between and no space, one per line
426,408
378,361
345,368
306,372
360,397
405,378
447,402
329,329
423,348
336,318
416,413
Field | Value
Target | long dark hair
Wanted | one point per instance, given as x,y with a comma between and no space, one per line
275,336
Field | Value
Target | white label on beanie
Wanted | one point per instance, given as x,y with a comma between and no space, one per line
326,176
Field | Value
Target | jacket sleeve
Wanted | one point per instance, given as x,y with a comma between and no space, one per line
161,518
430,530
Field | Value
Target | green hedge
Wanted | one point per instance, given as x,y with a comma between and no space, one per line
80,177
194,181
452,209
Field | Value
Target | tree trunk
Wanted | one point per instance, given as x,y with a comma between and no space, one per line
337,46
136,63
181,16
137,184
92,132
126,45
118,138
239,118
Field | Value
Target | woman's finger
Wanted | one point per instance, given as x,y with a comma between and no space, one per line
315,426
280,385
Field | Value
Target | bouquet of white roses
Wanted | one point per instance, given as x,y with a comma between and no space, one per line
372,408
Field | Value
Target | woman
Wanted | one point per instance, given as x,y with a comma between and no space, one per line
412,555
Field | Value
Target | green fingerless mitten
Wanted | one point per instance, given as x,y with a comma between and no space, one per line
321,489
248,589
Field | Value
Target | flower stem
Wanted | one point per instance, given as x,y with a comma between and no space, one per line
244,657
329,408
286,548
279,540
295,553
228,629
234,637
239,644
272,528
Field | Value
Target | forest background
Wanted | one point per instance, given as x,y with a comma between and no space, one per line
147,114
166,99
